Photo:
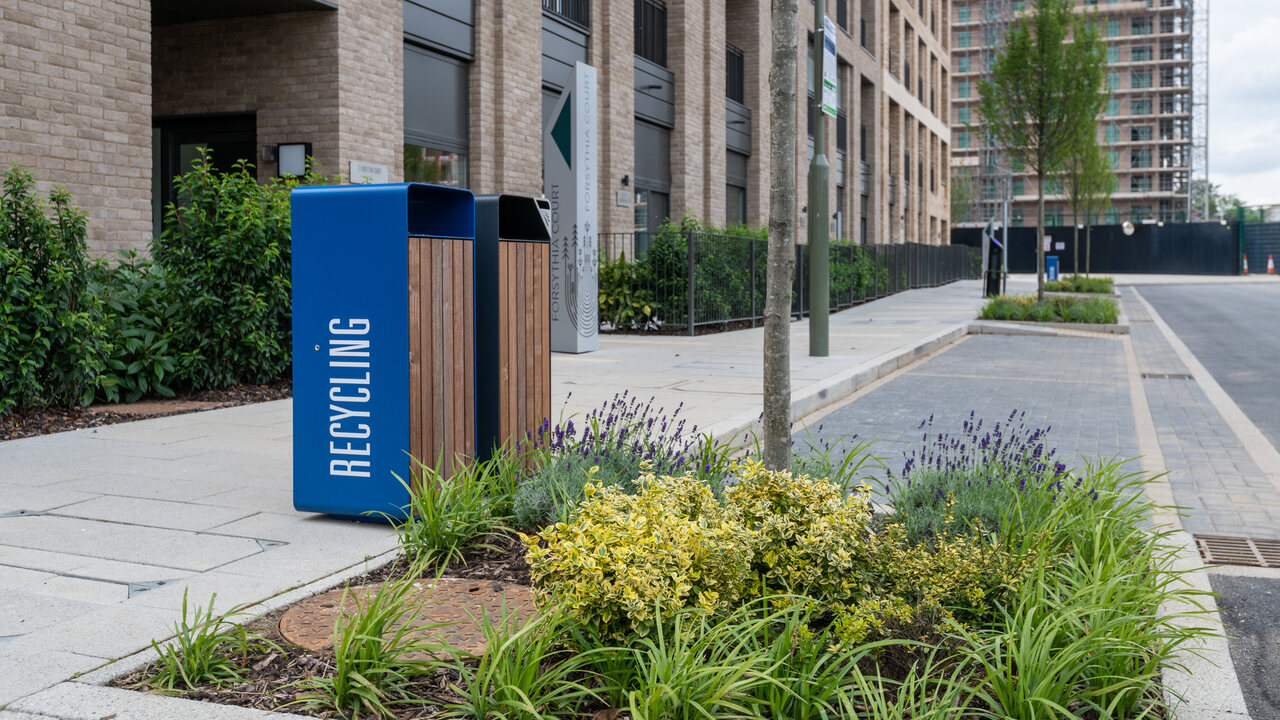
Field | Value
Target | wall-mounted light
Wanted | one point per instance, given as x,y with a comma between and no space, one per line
626,180
291,159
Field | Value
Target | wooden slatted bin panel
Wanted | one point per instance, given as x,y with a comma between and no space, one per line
524,277
441,352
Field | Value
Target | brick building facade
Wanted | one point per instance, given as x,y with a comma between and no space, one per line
111,98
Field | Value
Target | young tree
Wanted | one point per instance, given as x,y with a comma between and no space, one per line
1087,180
1044,93
1098,183
782,219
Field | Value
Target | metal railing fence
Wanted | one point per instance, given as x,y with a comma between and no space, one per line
684,280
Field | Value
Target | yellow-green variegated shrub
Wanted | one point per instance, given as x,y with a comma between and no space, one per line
670,545
674,545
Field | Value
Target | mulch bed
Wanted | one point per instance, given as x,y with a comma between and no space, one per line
272,683
43,421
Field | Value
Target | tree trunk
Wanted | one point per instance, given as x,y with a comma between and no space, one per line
1040,237
782,219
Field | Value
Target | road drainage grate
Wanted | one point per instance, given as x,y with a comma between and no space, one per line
1166,376
1253,552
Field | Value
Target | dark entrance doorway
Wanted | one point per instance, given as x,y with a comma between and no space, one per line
177,142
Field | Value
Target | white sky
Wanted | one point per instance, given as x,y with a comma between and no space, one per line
1244,97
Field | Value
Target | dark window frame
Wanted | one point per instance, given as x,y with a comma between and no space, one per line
735,75
651,31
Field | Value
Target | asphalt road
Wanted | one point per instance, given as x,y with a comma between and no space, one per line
1249,608
1231,329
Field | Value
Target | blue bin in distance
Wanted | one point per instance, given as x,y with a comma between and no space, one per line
1051,267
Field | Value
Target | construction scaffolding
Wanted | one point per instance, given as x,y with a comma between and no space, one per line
1199,206
1154,127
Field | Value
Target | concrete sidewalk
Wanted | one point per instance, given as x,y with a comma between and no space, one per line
101,531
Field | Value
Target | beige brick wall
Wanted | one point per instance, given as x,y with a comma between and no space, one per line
611,51
506,98
747,27
282,67
75,108
371,84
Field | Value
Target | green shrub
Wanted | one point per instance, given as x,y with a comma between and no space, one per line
53,345
1053,309
1080,284
626,295
140,313
225,248
624,557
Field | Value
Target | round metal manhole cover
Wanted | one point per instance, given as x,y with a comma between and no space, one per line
454,605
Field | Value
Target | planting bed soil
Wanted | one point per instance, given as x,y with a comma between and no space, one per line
44,421
276,670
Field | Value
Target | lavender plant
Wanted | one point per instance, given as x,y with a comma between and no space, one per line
969,483
611,446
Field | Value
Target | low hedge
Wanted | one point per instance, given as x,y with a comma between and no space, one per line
1102,311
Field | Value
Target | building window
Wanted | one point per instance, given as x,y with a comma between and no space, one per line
1113,106
1140,158
651,31
735,205
989,37
1113,27
1141,26
1113,80
842,14
862,142
1141,53
1113,54
962,89
578,11
1019,186
1140,133
1053,186
1140,183
1140,107
962,63
1140,79
962,39
962,139
435,118
1112,133
1113,157
962,13
963,114
735,82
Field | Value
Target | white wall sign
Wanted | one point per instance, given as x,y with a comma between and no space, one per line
1047,240
830,101
367,172
569,151
1059,246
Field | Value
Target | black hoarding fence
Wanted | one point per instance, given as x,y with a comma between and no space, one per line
1258,241
1205,248
690,280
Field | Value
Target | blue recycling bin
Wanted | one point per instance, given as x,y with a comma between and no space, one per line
1051,267
383,340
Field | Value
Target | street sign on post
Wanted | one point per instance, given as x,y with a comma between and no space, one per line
830,96
819,183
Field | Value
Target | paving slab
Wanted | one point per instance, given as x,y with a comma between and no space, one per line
129,543
29,670
76,701
149,512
